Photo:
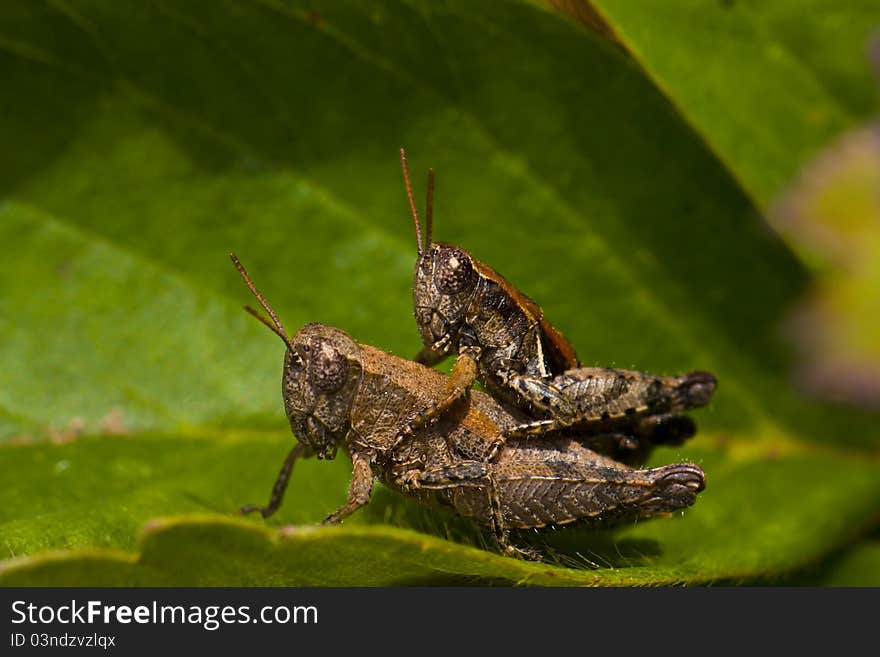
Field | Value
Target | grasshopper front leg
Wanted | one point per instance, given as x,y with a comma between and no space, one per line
359,490
460,380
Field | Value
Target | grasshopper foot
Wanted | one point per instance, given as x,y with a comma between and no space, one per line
263,510
524,553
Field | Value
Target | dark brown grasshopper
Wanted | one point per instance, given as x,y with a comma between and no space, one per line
501,337
341,394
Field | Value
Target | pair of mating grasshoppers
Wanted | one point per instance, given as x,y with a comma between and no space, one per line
551,443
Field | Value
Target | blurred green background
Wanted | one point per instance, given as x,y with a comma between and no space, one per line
689,185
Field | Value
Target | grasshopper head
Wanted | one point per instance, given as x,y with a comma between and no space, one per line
444,281
322,373
443,286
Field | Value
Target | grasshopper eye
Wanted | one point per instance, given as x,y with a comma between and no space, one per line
329,369
453,271
295,362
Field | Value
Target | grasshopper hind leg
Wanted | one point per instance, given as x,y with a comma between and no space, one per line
475,475
633,445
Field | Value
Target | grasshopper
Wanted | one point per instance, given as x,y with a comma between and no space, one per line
342,394
501,337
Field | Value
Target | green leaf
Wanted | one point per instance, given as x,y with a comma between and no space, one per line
766,84
859,566
272,128
771,87
757,519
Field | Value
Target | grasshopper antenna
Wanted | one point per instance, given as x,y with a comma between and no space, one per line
429,209
256,313
412,202
275,325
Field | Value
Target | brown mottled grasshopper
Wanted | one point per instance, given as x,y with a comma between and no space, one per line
338,393
501,337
